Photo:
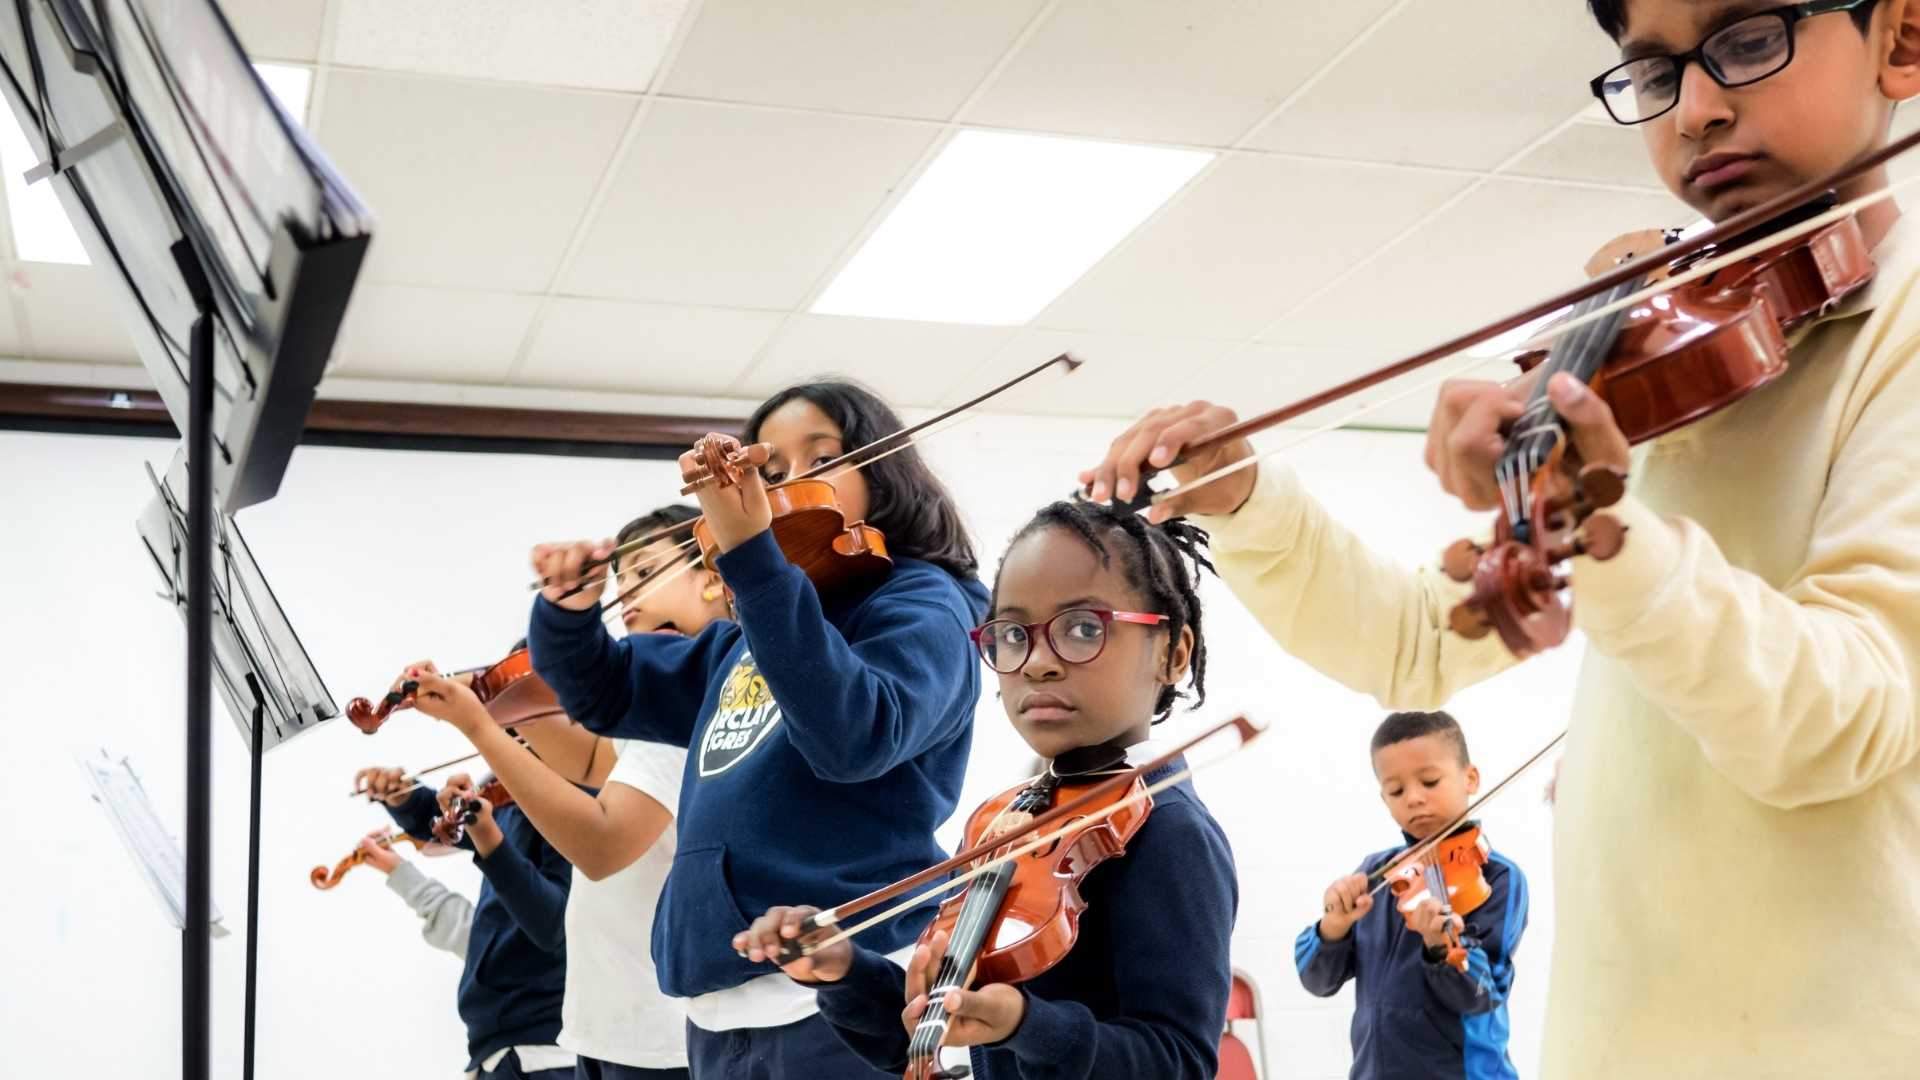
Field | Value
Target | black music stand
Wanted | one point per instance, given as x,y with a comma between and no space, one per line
234,245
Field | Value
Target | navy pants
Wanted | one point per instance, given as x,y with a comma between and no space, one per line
803,1050
586,1068
509,1069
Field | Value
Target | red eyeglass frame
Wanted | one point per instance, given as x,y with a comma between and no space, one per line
1044,628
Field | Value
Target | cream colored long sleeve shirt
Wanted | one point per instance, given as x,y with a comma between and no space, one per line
1737,834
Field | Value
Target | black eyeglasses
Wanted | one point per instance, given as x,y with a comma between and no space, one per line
1076,636
1738,54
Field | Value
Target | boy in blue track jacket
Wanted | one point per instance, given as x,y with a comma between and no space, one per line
1415,1014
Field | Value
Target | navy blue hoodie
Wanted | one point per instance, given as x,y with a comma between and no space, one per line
1417,1017
516,964
827,740
1143,993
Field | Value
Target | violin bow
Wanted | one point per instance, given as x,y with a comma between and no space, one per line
1378,879
792,950
882,447
1633,269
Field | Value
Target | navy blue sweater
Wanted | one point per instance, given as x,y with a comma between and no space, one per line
1142,994
516,965
827,738
1413,1016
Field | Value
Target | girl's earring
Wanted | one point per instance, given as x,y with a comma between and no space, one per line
710,593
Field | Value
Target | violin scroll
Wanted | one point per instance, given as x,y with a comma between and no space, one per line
723,461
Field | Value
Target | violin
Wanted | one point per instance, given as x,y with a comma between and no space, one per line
512,693
324,878
1660,363
1451,873
463,810
1023,916
808,523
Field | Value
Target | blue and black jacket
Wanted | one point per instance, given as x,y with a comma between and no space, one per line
827,738
516,963
1416,1016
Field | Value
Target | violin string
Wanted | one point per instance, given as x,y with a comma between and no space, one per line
1419,850
977,909
1549,333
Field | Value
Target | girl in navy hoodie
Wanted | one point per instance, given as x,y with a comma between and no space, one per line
827,735
1095,623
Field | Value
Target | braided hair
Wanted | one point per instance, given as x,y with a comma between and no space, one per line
1155,560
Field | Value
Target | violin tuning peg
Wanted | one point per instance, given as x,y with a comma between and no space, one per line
1461,559
1469,621
1601,537
1602,485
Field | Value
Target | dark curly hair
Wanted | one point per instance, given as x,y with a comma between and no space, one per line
1162,562
1612,16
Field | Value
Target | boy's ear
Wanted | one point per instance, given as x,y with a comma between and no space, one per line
1900,61
1473,779
1179,654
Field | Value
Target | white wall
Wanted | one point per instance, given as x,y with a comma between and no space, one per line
386,557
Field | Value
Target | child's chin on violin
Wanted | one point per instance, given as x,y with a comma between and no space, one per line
1093,628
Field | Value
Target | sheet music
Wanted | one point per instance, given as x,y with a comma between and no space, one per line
155,851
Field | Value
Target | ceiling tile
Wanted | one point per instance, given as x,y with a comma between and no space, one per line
1237,249
1119,376
648,348
460,197
277,29
1604,153
888,57
1198,73
397,332
908,363
74,313
1508,243
739,207
1437,88
598,44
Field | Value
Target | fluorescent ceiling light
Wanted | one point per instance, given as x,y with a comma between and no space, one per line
41,231
1000,224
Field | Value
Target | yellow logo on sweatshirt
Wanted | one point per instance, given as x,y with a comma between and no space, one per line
742,719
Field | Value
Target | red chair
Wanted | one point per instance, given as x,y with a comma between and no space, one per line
1243,1007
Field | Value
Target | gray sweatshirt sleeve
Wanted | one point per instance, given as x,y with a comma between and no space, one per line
448,915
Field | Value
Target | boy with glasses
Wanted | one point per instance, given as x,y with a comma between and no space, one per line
1738,818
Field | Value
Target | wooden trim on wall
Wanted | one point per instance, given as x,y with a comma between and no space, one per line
98,408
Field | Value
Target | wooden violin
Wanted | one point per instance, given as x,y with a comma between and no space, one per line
510,690
463,810
1451,873
1023,916
808,523
1659,364
324,878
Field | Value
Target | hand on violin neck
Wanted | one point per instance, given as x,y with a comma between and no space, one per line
1345,903
386,785
1159,441
573,576
1438,927
762,942
975,1017
735,512
1590,422
460,797
1467,435
449,698
376,848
